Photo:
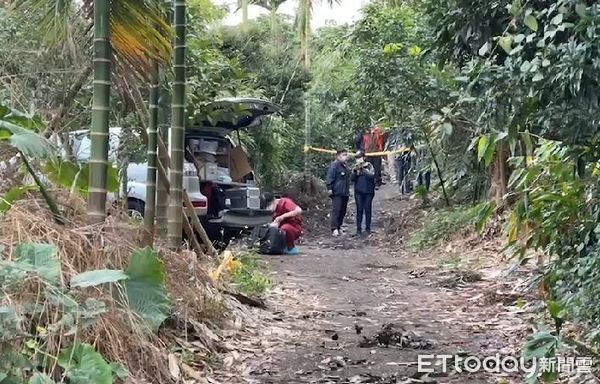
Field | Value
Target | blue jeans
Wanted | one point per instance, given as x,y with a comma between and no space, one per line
364,202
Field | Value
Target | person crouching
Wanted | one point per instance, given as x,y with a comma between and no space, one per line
287,215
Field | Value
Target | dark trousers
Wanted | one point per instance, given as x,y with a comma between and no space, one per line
376,161
424,178
402,170
364,202
338,211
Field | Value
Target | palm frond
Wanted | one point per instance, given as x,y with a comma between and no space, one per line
140,33
52,16
269,5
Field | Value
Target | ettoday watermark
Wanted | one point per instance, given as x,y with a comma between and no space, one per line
503,364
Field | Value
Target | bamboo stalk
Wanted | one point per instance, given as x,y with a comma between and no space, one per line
197,225
100,113
150,207
176,139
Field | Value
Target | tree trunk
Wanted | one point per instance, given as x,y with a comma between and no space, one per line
176,139
150,208
162,196
499,173
100,113
307,123
244,11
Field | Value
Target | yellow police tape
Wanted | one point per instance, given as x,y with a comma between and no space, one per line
333,152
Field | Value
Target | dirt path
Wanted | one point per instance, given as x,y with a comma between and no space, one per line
329,309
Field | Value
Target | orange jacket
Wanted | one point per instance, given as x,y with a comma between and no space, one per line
373,141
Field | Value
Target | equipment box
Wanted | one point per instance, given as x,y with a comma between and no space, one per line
242,198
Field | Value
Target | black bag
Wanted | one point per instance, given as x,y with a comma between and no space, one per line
271,240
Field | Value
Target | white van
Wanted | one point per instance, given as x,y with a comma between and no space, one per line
224,196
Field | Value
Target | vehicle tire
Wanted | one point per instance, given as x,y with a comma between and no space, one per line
135,208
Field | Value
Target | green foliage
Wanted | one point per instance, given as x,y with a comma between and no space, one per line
83,365
28,334
541,345
37,258
16,129
75,176
145,289
39,378
14,194
250,276
97,277
557,212
439,226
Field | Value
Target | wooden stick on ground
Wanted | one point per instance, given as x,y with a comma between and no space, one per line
191,235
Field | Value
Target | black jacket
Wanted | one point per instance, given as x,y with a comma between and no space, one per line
363,178
338,179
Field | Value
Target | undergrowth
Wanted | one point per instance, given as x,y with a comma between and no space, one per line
440,225
251,276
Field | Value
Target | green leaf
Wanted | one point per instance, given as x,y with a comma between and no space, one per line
500,136
119,370
145,289
415,51
556,310
526,66
97,277
481,147
489,153
557,20
39,258
538,77
545,63
91,311
83,365
10,323
506,43
39,378
484,214
13,195
485,48
515,8
539,345
447,128
526,137
62,172
24,140
581,10
112,179
531,23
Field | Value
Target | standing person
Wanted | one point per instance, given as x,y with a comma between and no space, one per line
359,141
287,215
363,177
374,142
338,184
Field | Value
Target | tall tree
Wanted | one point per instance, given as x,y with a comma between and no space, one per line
304,18
176,139
100,112
150,207
133,32
245,11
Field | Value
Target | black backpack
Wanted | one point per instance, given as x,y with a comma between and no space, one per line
271,240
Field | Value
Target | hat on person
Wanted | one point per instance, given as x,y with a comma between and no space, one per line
359,155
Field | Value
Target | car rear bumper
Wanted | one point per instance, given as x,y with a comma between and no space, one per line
240,219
